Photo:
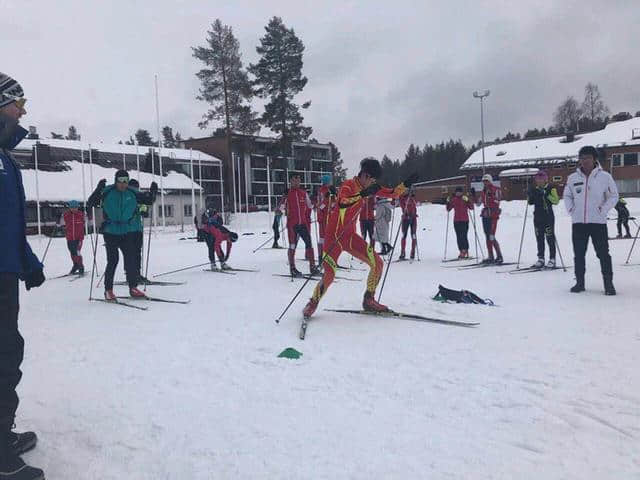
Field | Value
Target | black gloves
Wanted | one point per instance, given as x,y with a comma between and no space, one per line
34,279
370,190
101,184
333,190
154,188
413,178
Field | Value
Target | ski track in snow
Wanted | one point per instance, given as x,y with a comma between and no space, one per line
545,387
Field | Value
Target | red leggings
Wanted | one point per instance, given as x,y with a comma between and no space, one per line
355,245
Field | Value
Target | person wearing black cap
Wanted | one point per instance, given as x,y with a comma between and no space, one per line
588,196
341,235
119,204
17,262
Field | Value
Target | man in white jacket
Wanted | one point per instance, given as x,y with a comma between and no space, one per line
589,195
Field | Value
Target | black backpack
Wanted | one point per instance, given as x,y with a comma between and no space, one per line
459,296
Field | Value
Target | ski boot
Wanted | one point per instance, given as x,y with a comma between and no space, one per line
461,255
609,289
538,264
74,269
295,272
21,443
369,304
310,308
402,256
275,245
499,260
80,270
135,293
551,263
224,266
109,296
619,235
628,235
488,261
12,467
412,256
214,267
579,286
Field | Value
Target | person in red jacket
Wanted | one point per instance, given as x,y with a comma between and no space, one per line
322,204
298,205
409,219
216,234
73,221
461,204
341,233
368,218
490,200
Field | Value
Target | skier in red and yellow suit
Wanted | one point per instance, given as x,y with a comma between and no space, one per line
341,235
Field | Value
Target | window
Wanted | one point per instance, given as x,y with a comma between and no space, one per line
630,159
557,179
616,159
168,210
628,186
188,210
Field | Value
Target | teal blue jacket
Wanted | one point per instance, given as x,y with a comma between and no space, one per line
120,209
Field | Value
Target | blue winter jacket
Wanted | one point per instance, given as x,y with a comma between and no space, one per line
15,253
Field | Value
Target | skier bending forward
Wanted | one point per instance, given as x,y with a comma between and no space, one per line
340,233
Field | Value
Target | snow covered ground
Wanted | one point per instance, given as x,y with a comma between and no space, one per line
547,387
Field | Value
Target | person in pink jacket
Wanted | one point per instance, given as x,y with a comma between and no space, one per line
461,204
73,222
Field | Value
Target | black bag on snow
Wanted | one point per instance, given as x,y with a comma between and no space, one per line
459,296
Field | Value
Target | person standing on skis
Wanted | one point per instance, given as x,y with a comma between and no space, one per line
323,200
384,213
461,204
120,206
490,200
298,204
137,232
409,219
543,197
341,233
623,217
589,195
73,221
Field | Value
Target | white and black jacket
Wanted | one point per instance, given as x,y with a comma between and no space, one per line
589,199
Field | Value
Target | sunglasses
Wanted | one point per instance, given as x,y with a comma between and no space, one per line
20,101
122,179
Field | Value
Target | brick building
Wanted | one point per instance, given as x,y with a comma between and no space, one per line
512,165
259,173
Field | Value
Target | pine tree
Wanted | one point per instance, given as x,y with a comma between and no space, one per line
279,78
72,134
225,85
169,140
339,172
143,138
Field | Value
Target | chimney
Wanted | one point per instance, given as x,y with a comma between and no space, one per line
571,136
33,133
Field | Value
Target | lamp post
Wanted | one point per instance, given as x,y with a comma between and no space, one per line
482,96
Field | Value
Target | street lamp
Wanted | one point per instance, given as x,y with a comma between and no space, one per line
482,96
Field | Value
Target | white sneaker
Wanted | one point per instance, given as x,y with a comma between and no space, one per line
539,263
551,263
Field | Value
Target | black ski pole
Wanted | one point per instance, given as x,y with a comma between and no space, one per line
44,255
393,249
146,270
93,267
181,269
524,223
632,245
446,237
326,253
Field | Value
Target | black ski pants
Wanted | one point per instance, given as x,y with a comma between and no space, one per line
137,240
124,243
366,228
623,221
462,231
545,229
11,349
581,232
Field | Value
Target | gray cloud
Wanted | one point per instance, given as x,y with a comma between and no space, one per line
381,75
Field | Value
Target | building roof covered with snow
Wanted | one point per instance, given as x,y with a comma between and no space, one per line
75,182
550,150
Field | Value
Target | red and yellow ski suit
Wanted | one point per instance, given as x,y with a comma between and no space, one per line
341,235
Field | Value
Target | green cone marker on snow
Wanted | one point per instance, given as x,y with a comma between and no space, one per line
290,353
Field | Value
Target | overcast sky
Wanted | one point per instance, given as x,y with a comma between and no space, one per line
381,74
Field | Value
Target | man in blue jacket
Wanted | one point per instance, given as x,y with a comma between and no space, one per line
17,262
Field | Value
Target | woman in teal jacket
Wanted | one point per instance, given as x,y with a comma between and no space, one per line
119,204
